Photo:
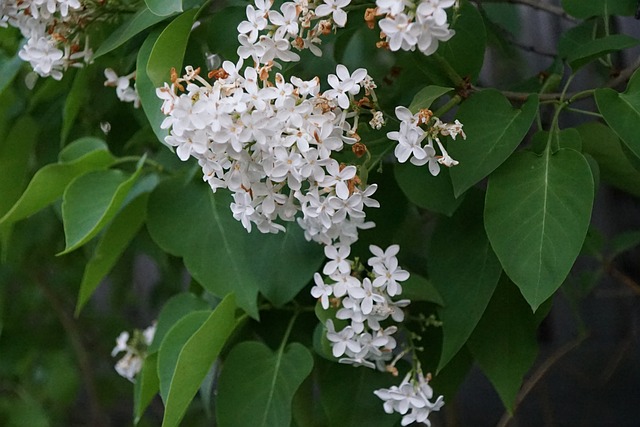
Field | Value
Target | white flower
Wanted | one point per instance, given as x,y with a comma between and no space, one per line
321,290
401,32
334,8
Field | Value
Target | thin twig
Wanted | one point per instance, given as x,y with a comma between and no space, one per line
537,4
72,331
538,375
624,74
622,278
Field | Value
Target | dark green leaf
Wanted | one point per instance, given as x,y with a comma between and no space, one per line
256,386
8,71
425,190
112,244
621,111
465,271
585,9
594,49
494,129
417,288
76,98
603,144
504,342
91,201
168,50
139,22
426,96
175,309
193,361
164,7
577,36
145,387
49,183
624,242
219,252
537,214
151,104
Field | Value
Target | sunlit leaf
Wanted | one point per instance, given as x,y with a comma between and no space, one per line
426,96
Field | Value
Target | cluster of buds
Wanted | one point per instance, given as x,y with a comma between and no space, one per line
135,351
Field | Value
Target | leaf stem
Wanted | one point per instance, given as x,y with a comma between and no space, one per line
455,100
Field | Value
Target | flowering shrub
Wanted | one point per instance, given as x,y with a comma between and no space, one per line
300,117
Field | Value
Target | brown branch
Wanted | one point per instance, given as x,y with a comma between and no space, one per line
622,278
538,5
98,419
538,375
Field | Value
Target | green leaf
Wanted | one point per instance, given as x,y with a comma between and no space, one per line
76,98
346,394
621,111
180,378
8,71
426,96
603,144
168,50
112,244
91,201
537,213
139,22
146,386
624,242
465,271
164,7
219,252
173,310
49,183
256,386
15,150
504,342
418,288
585,9
594,49
151,104
464,53
494,130
434,193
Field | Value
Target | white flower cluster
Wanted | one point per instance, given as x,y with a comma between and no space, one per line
407,25
411,395
268,35
411,135
272,146
50,27
135,349
364,303
124,90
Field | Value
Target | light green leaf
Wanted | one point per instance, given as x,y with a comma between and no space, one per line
256,386
219,252
434,193
193,361
621,111
112,244
504,342
494,130
145,387
603,144
537,214
465,271
594,49
168,50
91,201
175,309
426,96
164,7
76,98
49,183
585,9
139,22
151,104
